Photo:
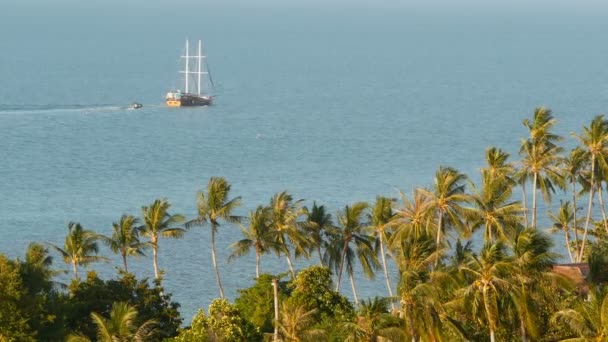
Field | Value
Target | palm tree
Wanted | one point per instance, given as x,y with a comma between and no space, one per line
492,209
79,247
296,323
284,214
418,295
374,323
541,139
380,218
593,140
498,168
257,235
541,163
412,217
352,231
589,318
447,196
125,239
213,207
572,167
533,261
564,220
318,224
158,222
489,274
120,327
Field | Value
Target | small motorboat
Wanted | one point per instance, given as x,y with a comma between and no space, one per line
135,105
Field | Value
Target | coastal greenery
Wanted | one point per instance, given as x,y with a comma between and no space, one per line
473,260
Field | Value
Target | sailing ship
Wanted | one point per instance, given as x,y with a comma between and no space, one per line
195,72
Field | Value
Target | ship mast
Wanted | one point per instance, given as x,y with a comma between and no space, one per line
199,68
187,67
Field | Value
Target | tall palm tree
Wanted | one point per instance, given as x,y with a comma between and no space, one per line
412,217
493,209
159,223
380,219
489,273
79,247
318,224
352,232
564,220
542,139
589,318
541,163
417,291
573,167
120,327
284,213
533,261
594,140
256,235
214,206
498,168
446,198
125,239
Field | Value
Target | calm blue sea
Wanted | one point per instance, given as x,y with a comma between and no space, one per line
335,104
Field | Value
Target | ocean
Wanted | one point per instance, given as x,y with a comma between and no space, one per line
335,104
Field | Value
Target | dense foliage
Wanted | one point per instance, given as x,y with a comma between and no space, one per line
506,288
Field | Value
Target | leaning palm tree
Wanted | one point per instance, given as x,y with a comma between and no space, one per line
158,222
79,247
284,214
594,140
214,206
352,232
125,239
120,327
256,235
572,168
380,218
318,224
589,318
446,198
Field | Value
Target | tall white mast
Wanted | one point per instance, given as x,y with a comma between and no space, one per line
199,67
187,67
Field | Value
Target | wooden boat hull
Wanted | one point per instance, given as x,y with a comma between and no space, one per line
189,101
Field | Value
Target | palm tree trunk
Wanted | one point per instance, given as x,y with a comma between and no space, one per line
492,338
341,267
525,201
522,328
588,219
568,243
601,198
320,256
155,258
352,284
574,216
534,200
217,271
439,229
75,269
124,261
386,276
290,264
257,264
